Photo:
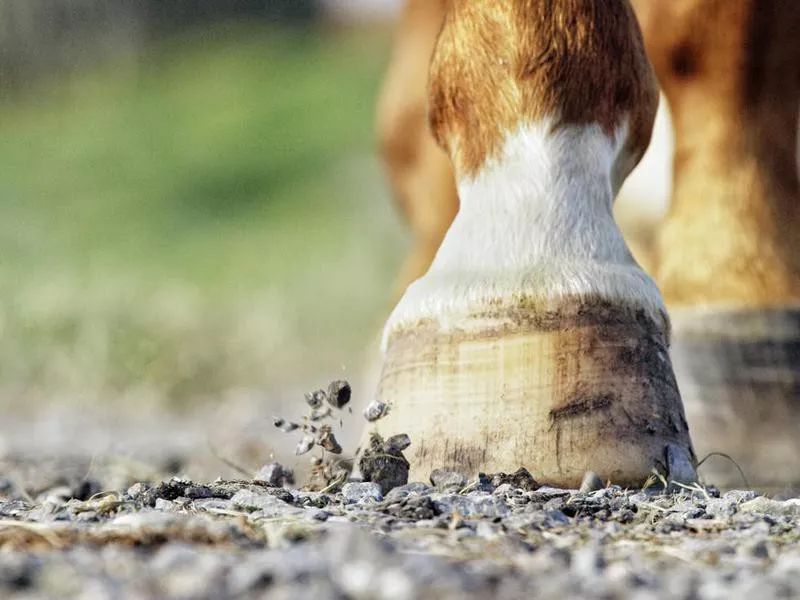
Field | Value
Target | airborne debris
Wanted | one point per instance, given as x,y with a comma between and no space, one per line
320,414
339,393
275,474
382,463
327,440
376,410
315,399
398,443
284,425
305,445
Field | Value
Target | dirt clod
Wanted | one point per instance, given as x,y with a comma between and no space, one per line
591,482
376,410
326,439
398,443
305,445
339,393
316,398
520,478
448,480
383,464
275,474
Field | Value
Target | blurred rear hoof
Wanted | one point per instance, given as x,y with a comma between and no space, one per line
739,375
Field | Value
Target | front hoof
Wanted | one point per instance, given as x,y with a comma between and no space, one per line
584,387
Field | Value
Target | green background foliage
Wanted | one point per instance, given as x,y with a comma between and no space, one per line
204,217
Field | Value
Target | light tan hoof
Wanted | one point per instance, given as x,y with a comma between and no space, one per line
580,387
739,374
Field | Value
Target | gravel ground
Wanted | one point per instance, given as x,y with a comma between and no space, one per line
63,535
111,519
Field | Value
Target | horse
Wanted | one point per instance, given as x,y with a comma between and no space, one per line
526,333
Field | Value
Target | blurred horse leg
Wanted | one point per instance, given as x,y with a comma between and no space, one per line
534,338
419,171
728,253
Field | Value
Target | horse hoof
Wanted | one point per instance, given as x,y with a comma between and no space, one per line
582,387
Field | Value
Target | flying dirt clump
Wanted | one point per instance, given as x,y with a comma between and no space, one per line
381,461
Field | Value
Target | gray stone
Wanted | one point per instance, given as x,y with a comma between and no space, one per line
197,491
397,443
305,444
721,507
267,503
536,520
146,519
339,393
478,504
377,464
520,479
362,492
545,493
504,489
419,542
166,505
317,514
758,549
767,506
376,410
406,490
316,398
483,484
449,480
213,504
739,496
591,482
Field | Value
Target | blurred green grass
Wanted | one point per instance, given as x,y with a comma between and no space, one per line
207,218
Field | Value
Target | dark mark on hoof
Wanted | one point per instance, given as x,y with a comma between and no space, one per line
452,454
581,406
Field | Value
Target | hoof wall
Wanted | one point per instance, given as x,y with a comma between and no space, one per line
586,390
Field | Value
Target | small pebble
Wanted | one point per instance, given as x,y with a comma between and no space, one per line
449,480
305,445
759,549
403,491
166,505
339,393
362,492
269,504
767,506
275,474
375,410
197,491
326,439
520,478
397,443
284,425
387,468
320,414
591,483
317,514
315,399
